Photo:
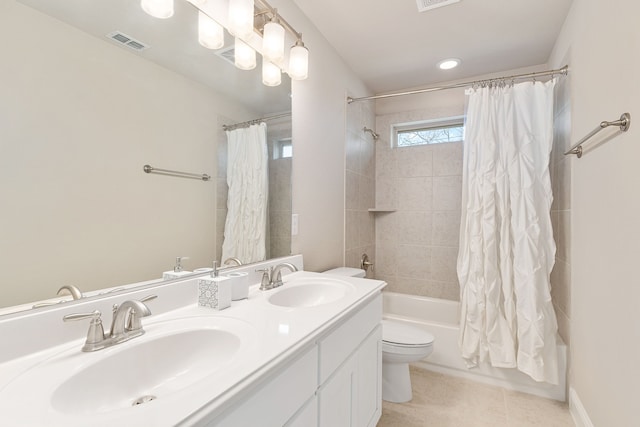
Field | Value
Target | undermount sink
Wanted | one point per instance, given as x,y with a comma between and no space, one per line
170,357
310,292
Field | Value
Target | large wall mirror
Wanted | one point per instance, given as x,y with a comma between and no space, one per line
81,114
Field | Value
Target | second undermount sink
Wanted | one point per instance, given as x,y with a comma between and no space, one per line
170,357
310,292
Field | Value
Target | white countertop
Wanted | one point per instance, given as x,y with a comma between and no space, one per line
271,335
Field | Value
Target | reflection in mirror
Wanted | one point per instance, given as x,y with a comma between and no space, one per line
259,155
80,114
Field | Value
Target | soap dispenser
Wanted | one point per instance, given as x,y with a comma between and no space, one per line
214,291
178,272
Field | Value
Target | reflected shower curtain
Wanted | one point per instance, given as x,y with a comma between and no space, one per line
507,249
247,203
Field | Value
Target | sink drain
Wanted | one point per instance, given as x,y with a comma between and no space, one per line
143,399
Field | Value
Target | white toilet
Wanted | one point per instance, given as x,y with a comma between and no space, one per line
401,344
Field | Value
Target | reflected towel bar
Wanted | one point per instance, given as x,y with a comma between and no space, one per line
151,169
624,123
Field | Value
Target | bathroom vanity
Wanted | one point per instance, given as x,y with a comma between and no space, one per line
305,354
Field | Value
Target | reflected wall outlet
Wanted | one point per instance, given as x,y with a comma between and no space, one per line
294,224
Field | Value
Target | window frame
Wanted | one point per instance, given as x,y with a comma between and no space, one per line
431,124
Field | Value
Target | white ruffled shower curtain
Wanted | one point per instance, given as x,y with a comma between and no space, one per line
247,203
507,249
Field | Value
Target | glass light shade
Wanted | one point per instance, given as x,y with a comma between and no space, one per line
273,42
245,56
449,63
299,62
158,8
271,74
210,33
241,18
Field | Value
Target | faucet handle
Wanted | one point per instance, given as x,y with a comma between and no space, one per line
94,316
148,298
265,283
95,335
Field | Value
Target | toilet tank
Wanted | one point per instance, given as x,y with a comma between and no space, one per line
347,271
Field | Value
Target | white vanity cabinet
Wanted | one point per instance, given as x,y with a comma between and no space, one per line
335,381
350,392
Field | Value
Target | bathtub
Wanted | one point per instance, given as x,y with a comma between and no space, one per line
440,318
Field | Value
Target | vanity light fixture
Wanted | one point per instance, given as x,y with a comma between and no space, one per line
449,63
241,18
210,33
245,56
299,60
162,9
243,25
273,40
271,74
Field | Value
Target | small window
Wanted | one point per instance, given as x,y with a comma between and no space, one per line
283,148
429,132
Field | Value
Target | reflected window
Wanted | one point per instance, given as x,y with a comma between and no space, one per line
283,149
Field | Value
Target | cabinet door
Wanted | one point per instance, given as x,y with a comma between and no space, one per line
307,416
369,380
336,397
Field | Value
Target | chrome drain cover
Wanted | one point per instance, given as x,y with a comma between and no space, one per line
143,399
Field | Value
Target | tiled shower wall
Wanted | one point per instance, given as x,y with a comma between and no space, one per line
360,183
417,243
560,168
279,243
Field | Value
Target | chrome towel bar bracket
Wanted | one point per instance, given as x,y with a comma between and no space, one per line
623,123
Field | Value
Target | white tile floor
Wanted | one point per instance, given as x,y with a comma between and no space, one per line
445,401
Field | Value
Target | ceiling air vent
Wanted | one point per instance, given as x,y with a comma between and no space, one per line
424,5
228,54
127,41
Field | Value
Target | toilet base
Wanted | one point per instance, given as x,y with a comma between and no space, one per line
396,382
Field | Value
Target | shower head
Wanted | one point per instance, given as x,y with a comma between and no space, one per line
373,134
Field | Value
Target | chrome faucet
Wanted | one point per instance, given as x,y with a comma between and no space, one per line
72,290
232,259
126,324
272,277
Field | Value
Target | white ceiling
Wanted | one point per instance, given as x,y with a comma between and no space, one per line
392,46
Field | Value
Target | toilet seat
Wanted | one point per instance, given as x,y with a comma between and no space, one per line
395,334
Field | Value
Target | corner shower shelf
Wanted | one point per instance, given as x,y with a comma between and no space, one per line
381,210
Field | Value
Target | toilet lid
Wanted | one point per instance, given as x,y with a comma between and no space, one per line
403,334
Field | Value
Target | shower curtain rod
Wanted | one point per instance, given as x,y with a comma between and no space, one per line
254,121
561,71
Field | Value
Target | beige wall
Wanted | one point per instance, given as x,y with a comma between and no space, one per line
602,42
319,134
79,117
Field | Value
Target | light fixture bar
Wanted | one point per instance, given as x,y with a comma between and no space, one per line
281,20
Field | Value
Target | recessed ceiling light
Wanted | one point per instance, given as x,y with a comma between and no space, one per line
449,63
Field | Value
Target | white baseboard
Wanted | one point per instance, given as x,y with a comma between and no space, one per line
579,414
